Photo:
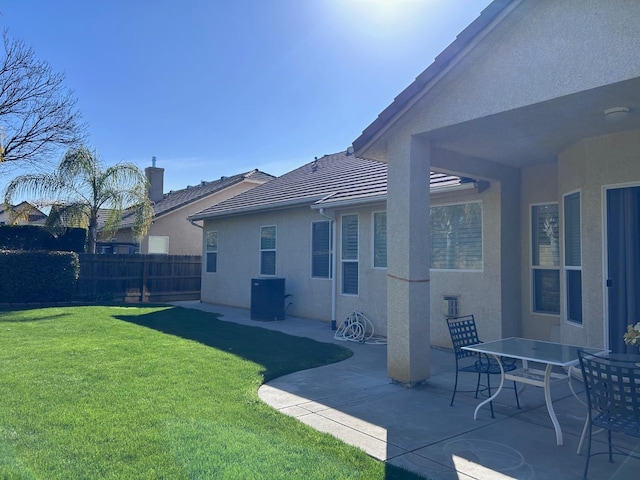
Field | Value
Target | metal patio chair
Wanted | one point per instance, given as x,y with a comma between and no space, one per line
612,387
464,333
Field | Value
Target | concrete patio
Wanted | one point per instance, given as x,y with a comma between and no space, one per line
416,428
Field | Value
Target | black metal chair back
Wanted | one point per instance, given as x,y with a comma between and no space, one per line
464,333
612,386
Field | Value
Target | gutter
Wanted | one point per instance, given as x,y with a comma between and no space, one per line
254,209
321,205
192,222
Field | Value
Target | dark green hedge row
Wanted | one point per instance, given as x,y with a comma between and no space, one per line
28,277
33,237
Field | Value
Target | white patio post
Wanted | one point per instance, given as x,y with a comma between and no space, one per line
408,260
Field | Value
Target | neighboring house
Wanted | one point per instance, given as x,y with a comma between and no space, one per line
541,99
22,214
324,217
171,232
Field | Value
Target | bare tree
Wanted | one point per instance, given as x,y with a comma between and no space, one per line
38,115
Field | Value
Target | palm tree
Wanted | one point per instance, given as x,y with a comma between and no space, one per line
80,187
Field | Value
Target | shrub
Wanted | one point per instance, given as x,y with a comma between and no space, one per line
37,276
34,237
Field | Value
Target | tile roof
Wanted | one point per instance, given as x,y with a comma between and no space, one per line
328,181
179,198
415,89
34,216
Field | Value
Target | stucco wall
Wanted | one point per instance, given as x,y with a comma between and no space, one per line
239,257
372,282
479,292
539,186
546,48
239,261
594,163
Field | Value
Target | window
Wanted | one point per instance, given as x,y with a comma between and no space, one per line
268,250
159,245
545,263
380,240
321,249
456,237
350,254
573,257
211,252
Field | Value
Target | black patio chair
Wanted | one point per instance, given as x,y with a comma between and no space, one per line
464,333
612,386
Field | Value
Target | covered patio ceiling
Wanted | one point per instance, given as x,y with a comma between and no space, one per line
535,134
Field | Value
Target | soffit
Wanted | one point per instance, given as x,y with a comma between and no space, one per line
538,133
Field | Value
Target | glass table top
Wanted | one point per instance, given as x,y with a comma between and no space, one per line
533,350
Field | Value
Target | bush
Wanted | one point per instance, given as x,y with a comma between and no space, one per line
33,237
38,276
71,240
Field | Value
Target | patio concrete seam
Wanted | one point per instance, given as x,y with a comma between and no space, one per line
355,401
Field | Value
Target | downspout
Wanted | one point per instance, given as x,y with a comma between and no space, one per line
333,267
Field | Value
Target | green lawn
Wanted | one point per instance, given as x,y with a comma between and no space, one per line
157,393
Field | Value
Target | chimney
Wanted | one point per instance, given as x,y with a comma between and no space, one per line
155,177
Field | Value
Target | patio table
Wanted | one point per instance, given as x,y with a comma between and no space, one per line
527,350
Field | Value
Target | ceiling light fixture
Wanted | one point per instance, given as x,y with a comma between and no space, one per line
616,114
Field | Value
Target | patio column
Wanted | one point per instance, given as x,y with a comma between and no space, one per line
408,260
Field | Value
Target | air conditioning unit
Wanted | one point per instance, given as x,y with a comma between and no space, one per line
267,299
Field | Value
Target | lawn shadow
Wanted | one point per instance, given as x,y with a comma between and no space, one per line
26,314
277,352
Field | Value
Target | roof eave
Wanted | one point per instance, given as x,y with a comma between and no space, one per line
255,209
434,74
383,197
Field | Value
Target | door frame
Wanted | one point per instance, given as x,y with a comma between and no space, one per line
605,255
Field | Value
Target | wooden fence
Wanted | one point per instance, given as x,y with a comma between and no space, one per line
139,278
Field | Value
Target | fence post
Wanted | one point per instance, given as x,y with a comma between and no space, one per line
143,290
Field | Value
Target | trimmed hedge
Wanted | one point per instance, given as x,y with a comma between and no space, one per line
38,276
34,237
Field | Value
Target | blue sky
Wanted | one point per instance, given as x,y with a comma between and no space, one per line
214,87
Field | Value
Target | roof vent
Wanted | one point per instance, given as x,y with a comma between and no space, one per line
314,165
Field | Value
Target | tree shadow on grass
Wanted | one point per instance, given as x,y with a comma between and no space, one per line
278,352
28,314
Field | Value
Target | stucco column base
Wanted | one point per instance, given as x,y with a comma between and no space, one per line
408,331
